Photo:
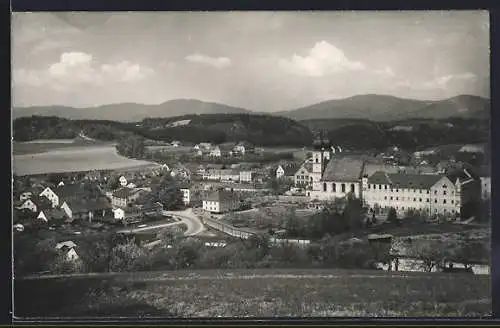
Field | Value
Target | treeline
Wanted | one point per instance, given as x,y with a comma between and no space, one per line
362,136
52,127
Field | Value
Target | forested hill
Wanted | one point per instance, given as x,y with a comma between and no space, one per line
388,108
265,130
261,130
130,112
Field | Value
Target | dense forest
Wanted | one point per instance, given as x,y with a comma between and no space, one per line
217,128
264,130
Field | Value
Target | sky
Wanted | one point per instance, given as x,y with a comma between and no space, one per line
264,61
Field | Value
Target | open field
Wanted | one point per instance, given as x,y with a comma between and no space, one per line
298,153
73,159
255,293
42,146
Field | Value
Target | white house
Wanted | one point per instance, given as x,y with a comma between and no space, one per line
246,176
280,172
42,216
220,201
51,196
123,181
186,195
25,195
68,247
175,143
243,148
215,152
27,204
119,213
60,184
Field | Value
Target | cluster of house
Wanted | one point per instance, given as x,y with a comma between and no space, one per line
127,201
326,177
224,150
66,201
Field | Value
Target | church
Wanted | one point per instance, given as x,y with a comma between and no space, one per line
333,175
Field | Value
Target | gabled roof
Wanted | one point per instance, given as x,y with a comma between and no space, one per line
84,205
404,181
245,144
55,214
69,190
343,169
462,175
220,196
290,169
41,202
69,244
229,172
215,166
123,192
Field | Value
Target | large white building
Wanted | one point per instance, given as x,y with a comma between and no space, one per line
220,201
433,194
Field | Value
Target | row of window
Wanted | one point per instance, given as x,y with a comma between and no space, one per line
415,199
342,187
402,208
409,190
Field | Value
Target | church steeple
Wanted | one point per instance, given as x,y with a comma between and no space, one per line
321,142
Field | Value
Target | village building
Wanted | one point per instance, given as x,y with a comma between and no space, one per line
125,196
220,201
334,177
33,204
484,174
243,148
246,176
123,181
137,213
51,196
302,177
68,248
286,171
86,208
432,194
229,175
176,143
186,195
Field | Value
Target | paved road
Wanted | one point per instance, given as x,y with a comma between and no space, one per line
191,220
187,217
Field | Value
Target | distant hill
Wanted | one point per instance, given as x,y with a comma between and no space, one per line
388,108
130,112
257,129
262,130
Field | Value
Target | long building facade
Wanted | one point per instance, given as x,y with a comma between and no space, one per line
433,194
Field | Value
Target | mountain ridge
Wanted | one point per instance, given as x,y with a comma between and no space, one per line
369,106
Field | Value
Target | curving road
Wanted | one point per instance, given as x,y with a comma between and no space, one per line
191,220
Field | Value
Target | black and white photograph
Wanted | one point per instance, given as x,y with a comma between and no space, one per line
251,164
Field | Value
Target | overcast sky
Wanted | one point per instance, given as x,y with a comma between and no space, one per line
263,61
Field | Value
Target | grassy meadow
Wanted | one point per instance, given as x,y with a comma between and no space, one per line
256,293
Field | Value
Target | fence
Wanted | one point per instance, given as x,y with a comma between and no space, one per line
238,233
227,229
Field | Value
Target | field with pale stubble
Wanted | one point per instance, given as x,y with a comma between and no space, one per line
256,293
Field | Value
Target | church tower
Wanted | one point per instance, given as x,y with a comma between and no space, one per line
321,155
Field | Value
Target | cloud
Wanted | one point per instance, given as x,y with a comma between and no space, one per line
217,62
79,68
323,59
386,71
442,82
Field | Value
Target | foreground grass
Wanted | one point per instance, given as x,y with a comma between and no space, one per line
256,293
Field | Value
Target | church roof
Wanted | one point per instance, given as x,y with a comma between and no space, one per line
404,181
343,169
